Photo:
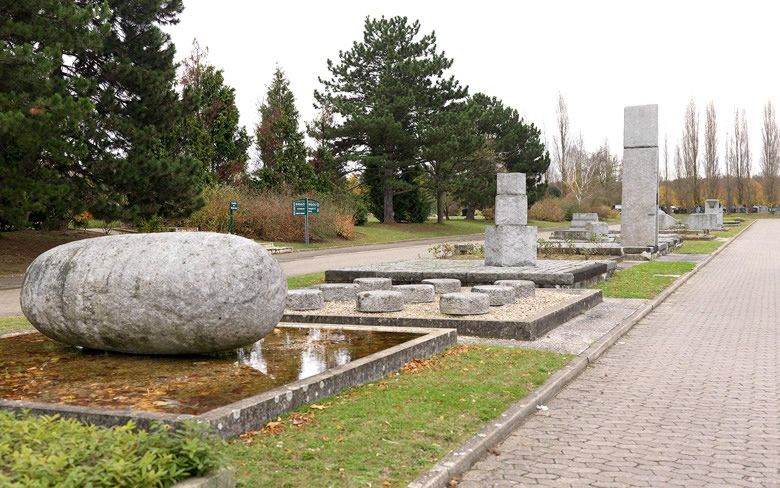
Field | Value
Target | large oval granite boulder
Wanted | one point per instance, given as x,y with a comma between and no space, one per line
163,293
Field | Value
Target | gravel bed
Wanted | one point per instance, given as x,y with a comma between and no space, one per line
521,310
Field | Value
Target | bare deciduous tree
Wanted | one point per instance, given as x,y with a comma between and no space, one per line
770,151
740,160
681,184
690,153
582,172
667,189
561,143
711,152
728,174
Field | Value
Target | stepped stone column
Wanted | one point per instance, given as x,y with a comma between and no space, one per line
639,219
511,242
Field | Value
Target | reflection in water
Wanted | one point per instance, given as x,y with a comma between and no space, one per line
178,384
319,350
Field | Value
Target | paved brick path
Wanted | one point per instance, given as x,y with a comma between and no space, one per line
690,397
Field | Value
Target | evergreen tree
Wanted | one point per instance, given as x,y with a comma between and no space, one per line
88,111
45,115
510,145
385,89
215,136
451,142
323,161
280,141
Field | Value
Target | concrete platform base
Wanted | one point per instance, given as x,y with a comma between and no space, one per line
550,273
526,328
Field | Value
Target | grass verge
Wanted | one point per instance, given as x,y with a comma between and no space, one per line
698,247
388,432
302,281
644,280
13,324
376,233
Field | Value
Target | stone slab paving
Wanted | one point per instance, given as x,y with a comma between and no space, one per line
690,397
577,334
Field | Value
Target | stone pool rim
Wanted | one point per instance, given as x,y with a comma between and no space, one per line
253,412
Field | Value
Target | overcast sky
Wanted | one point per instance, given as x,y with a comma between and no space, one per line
601,55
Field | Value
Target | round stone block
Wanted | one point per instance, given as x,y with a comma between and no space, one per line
304,299
523,288
499,295
370,284
161,293
417,293
380,301
443,285
464,303
338,292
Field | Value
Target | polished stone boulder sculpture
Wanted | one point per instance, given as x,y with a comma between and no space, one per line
163,293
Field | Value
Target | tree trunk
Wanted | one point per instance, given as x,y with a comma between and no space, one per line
470,212
389,215
439,207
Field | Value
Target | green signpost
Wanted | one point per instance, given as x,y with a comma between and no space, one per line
231,223
305,206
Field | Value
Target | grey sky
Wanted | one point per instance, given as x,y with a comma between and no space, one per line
601,55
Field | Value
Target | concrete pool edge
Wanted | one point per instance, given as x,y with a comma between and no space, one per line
253,412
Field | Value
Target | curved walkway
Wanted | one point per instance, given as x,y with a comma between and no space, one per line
690,397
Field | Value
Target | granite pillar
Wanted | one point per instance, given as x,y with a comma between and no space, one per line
639,219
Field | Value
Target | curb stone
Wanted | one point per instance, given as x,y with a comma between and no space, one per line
459,460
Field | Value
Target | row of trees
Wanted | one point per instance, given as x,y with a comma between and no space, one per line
698,173
692,172
92,116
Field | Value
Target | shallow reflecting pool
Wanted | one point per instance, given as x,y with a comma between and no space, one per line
34,368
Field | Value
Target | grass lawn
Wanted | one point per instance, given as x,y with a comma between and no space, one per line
388,432
644,280
19,248
698,247
302,281
376,233
13,324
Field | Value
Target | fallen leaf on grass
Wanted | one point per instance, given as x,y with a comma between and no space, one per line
317,407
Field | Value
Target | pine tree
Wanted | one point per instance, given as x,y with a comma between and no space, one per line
517,146
88,112
329,171
385,89
44,112
215,136
280,141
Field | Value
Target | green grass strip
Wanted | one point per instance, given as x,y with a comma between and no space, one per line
302,281
389,432
698,247
13,324
644,280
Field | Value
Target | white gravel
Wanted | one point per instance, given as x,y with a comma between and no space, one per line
523,309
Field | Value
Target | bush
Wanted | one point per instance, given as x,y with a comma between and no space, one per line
154,223
267,215
489,213
50,451
360,215
547,209
570,207
604,212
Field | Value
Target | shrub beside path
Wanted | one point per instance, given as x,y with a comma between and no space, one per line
688,397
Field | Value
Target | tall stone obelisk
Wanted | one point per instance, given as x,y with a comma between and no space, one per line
639,219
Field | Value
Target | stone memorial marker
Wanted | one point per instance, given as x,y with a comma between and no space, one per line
712,207
639,219
511,242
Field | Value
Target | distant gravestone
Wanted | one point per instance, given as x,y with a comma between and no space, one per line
712,206
639,219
